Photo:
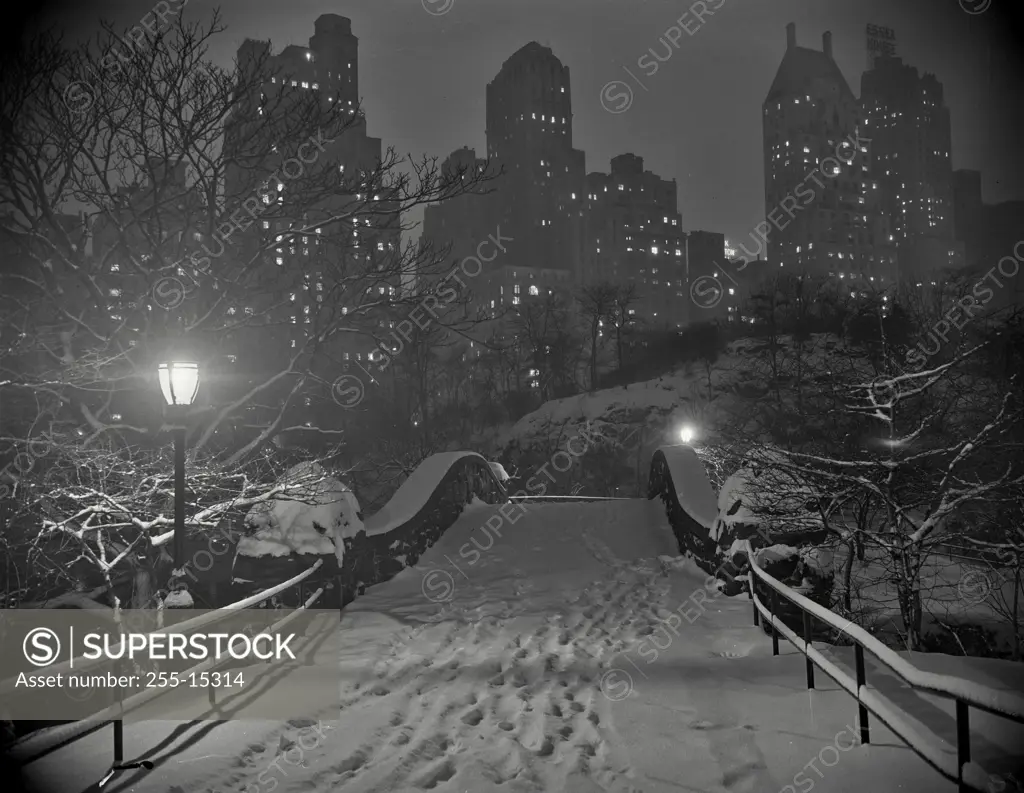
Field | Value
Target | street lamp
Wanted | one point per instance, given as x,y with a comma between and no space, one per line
686,433
179,383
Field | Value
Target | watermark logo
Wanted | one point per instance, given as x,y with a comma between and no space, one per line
169,292
348,391
616,684
803,194
440,298
980,296
974,587
616,97
884,390
802,782
706,292
79,97
438,8
974,7
41,646
440,583
438,586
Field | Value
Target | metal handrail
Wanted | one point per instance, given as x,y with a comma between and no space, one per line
968,775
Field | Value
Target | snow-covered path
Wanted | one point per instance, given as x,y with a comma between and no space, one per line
551,647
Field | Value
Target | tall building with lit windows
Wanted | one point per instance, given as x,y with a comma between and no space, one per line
909,127
820,201
538,201
634,236
368,238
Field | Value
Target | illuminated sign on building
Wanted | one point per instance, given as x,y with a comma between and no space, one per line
730,252
881,43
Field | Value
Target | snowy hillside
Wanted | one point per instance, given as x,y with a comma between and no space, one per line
689,395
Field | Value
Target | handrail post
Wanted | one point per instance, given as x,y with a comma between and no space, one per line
775,631
750,591
119,737
963,743
807,647
862,712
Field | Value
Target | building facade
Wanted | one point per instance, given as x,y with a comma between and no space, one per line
317,262
634,236
908,124
538,199
824,209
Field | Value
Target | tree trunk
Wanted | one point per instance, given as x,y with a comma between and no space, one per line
848,576
1015,612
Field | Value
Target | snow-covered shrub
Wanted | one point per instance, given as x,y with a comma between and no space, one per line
766,497
312,516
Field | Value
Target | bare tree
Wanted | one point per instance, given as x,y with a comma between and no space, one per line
224,215
622,319
597,306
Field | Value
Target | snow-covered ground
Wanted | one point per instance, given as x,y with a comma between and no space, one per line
549,647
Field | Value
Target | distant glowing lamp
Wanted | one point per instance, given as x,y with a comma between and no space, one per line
686,433
179,382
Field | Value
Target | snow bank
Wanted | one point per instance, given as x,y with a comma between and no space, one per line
312,518
499,471
693,488
414,492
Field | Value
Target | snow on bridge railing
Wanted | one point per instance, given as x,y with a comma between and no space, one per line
115,713
969,776
569,498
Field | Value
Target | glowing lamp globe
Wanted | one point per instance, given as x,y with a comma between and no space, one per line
686,433
179,382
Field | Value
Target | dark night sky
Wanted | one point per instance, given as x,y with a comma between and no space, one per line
423,77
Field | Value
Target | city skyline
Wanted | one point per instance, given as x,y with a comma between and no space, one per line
719,174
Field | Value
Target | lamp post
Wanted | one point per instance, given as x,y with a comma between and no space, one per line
179,383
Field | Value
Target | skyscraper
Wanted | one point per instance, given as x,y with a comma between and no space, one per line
908,124
539,198
818,193
308,255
